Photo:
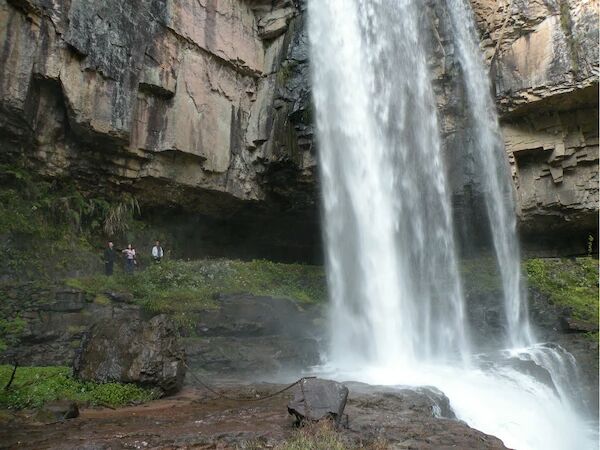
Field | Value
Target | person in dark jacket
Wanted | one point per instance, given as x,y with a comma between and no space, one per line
109,259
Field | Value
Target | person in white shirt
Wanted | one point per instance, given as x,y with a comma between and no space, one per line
129,259
157,252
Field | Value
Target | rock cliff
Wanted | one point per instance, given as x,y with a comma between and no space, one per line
544,64
202,108
186,104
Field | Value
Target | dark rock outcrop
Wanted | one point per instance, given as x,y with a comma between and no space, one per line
248,335
146,353
55,320
317,399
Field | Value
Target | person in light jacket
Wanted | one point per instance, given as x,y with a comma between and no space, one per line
129,259
157,252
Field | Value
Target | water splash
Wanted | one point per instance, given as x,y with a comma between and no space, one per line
397,304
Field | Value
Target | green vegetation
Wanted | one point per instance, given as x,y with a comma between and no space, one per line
320,436
47,227
570,283
182,288
314,438
10,331
35,386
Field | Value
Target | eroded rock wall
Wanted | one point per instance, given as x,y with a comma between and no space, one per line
204,106
544,65
181,102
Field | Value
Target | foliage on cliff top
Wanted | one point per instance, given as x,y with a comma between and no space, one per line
181,287
32,387
570,283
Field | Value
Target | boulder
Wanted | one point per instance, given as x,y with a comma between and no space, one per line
53,412
62,409
148,353
318,399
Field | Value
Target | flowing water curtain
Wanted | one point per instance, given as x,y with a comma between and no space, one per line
496,178
391,256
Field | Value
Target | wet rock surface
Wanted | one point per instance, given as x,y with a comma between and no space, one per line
56,319
402,419
549,322
146,353
248,335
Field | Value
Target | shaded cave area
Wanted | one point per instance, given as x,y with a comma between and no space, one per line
246,234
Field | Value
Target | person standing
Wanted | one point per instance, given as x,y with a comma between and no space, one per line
129,259
109,258
157,252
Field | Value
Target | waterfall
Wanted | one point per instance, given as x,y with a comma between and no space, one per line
493,164
391,258
398,313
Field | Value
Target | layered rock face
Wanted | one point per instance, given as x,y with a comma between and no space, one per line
203,107
183,103
544,64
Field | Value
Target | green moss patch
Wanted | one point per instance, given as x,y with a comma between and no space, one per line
570,283
35,386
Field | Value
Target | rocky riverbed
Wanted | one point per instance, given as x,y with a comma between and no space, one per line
378,418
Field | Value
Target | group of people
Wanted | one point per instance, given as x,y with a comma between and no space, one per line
129,254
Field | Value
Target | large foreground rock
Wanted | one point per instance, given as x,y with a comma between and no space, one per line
319,399
145,353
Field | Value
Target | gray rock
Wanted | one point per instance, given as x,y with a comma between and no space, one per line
317,400
146,353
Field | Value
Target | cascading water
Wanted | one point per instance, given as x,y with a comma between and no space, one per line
388,223
495,174
397,304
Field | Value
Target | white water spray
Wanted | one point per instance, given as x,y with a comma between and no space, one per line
397,305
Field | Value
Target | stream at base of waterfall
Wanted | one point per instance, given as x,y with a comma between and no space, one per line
397,304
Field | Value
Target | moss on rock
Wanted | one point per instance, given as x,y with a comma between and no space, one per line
571,283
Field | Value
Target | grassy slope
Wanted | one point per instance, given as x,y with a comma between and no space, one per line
35,386
184,288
